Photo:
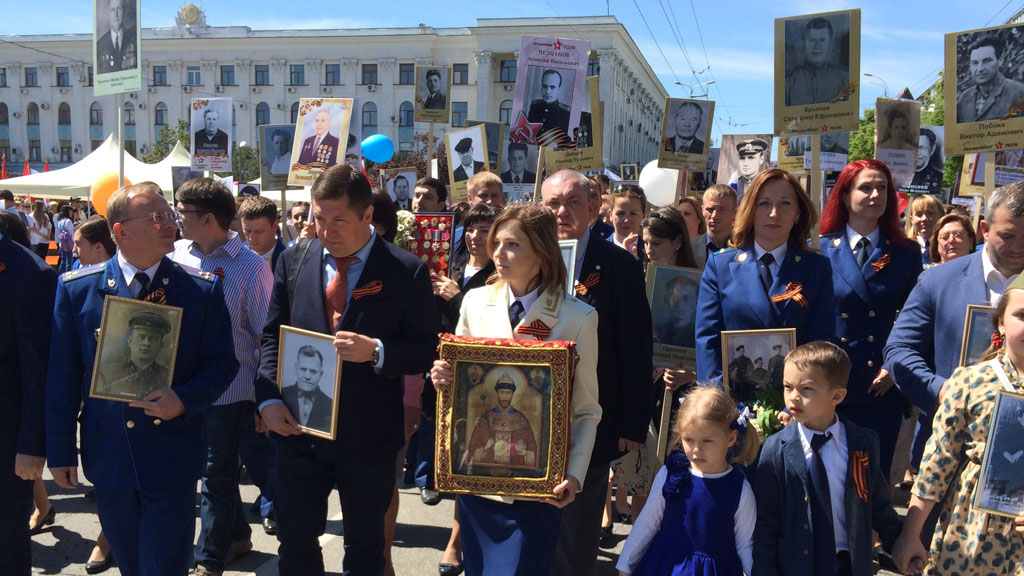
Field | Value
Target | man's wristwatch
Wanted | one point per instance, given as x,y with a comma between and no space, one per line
376,354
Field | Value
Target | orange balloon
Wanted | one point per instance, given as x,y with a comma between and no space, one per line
102,189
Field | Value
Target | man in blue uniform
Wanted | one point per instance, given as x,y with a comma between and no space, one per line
144,458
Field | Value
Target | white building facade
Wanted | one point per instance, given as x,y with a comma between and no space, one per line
48,111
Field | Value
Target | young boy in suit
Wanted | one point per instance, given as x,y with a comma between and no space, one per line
819,487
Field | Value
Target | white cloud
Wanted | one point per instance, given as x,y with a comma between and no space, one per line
725,62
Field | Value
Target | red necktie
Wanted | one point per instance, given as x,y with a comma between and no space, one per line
337,290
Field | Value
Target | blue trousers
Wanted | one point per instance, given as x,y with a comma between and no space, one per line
258,458
221,509
500,539
150,533
15,510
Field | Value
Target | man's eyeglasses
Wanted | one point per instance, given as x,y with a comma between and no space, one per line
160,217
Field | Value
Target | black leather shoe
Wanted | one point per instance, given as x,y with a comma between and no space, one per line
46,521
449,569
430,497
92,567
269,526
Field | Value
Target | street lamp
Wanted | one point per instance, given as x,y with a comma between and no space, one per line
708,83
882,83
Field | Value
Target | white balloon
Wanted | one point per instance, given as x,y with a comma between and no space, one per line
659,184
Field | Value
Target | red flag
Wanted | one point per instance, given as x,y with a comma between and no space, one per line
26,170
3,167
46,166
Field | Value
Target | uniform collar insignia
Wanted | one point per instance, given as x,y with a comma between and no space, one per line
111,282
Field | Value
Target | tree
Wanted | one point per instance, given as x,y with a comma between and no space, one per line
245,164
417,157
933,113
862,142
166,140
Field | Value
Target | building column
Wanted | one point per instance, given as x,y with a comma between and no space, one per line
484,85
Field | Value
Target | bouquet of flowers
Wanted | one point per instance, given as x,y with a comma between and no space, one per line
406,224
767,406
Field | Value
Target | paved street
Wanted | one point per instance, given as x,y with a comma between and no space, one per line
422,534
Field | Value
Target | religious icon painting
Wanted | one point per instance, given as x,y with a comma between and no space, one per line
1002,467
754,360
309,379
977,333
136,349
503,422
431,240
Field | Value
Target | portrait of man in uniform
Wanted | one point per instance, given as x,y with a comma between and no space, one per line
307,402
930,163
740,369
987,94
747,371
210,139
752,155
136,370
436,98
548,110
820,76
682,132
502,436
517,163
675,327
322,146
116,49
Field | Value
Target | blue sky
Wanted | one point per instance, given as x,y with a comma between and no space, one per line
902,40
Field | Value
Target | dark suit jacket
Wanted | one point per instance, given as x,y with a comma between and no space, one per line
460,174
122,448
110,60
625,334
528,177
923,348
27,287
731,297
319,416
782,536
1007,93
551,116
696,145
868,301
602,229
327,153
279,247
402,315
435,101
407,205
203,144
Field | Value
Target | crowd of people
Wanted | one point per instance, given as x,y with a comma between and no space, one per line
873,393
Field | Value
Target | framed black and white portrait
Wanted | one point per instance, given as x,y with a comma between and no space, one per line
399,184
467,155
309,378
977,335
742,158
672,294
432,85
496,134
930,162
116,42
754,360
276,143
211,133
685,131
1001,486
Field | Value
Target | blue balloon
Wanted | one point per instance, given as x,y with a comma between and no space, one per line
378,148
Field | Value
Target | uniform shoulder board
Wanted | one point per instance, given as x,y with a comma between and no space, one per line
195,272
82,272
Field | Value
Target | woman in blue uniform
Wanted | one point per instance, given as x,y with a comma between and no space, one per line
770,279
874,267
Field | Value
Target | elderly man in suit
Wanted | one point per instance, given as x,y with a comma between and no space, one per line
116,50
376,300
467,166
210,140
611,280
27,285
304,399
144,458
719,207
321,147
686,120
993,95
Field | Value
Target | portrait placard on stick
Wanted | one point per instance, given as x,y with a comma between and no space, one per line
589,138
399,184
432,85
319,127
930,163
275,159
742,158
672,294
550,85
817,73
985,77
467,154
211,134
792,150
897,126
1001,485
517,172
496,134
685,130
116,43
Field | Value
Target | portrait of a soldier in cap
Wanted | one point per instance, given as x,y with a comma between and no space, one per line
753,155
137,373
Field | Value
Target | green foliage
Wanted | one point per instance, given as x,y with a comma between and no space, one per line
417,157
862,142
166,140
245,163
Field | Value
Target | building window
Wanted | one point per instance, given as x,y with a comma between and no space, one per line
129,114
295,112
297,75
227,75
263,74
65,150
159,75
405,114
593,67
369,120
193,78
31,77
160,117
4,120
460,73
505,112
333,75
5,148
32,117
262,114
64,113
460,110
3,77
369,74
63,77
90,80
95,144
508,71
33,151
406,74
129,146
96,115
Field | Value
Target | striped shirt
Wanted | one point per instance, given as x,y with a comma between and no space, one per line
247,282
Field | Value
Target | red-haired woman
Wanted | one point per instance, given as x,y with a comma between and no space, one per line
874,267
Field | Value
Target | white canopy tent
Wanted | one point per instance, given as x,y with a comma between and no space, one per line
77,179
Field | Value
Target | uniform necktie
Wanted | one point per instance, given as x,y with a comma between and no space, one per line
337,291
143,279
516,180
863,245
824,537
764,265
515,313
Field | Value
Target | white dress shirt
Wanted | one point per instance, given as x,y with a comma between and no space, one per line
526,300
994,279
853,237
130,271
836,456
779,254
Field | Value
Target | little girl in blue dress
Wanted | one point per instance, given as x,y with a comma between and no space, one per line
699,518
